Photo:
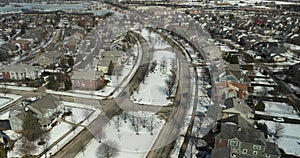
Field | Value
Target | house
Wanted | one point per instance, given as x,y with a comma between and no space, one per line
51,57
240,88
244,142
21,71
87,79
236,119
237,106
46,110
120,55
9,49
273,53
23,44
16,118
105,63
233,75
114,57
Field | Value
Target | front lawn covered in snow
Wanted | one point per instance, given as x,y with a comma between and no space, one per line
289,136
279,109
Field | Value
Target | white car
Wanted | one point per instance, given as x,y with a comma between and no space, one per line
279,119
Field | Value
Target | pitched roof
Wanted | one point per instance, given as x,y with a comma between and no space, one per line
45,103
113,53
238,120
240,86
245,135
89,74
20,68
237,104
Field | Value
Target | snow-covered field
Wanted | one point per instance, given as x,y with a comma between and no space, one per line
127,141
153,90
289,140
279,110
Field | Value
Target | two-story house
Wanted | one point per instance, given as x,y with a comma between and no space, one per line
245,142
87,79
234,106
46,110
21,71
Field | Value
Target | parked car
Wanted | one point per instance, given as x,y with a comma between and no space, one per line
279,119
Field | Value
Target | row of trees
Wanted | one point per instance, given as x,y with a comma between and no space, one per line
137,122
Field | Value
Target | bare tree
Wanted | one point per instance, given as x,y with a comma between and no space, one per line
143,121
124,116
153,66
117,123
136,126
163,66
278,130
171,81
26,147
151,126
107,149
45,141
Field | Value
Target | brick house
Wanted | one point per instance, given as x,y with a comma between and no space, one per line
87,79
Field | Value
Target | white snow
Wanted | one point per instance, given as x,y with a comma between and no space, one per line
279,110
289,139
78,95
6,99
153,91
22,88
64,129
129,144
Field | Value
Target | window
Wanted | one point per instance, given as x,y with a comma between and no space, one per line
267,155
254,152
245,151
256,147
233,143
